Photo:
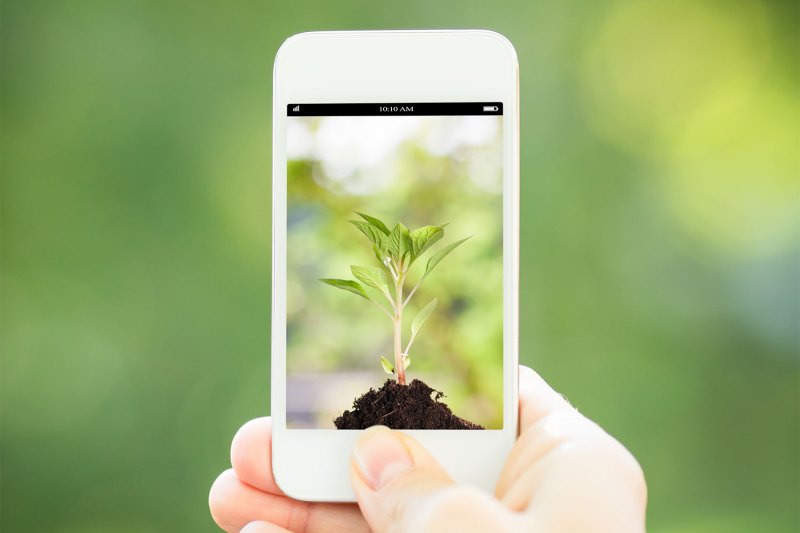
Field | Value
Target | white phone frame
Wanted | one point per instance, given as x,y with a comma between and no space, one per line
393,66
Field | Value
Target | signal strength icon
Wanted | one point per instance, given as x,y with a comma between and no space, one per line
296,109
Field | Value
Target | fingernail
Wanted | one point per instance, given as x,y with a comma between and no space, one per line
380,457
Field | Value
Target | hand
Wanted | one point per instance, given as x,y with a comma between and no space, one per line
563,474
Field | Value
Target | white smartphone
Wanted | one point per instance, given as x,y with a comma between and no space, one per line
395,251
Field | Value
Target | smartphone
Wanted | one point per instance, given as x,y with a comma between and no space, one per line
395,251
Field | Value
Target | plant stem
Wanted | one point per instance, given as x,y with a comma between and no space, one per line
389,266
388,296
382,308
410,294
398,324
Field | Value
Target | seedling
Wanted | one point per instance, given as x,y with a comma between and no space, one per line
395,250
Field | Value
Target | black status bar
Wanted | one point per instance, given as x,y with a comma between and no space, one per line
406,108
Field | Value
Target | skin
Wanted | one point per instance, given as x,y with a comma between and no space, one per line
564,474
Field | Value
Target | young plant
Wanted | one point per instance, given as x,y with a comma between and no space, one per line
395,250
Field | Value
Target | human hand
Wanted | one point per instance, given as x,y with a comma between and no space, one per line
563,474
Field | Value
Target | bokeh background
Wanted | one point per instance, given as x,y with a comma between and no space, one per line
659,226
418,170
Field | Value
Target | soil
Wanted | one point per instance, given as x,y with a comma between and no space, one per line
413,406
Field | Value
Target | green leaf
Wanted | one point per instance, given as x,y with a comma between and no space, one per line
347,285
387,278
423,315
399,242
372,276
375,222
381,256
387,366
406,361
374,234
438,256
425,237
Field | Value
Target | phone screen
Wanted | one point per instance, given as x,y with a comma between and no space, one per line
394,294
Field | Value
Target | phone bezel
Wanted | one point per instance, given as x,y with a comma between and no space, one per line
393,66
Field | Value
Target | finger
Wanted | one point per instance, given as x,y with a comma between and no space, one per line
263,527
401,487
537,399
234,504
537,402
251,455
560,428
565,471
589,484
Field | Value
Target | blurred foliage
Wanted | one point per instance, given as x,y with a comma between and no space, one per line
659,227
418,171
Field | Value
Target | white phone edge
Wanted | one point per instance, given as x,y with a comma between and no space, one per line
313,464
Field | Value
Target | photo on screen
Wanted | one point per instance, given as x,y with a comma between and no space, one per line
394,295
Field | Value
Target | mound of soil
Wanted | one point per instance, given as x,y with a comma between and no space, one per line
414,406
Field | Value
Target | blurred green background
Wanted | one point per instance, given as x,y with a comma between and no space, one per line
418,170
659,226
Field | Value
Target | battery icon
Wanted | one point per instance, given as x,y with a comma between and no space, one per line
491,108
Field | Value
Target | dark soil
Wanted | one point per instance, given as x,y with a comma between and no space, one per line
414,406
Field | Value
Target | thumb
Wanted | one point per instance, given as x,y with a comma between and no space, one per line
400,487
